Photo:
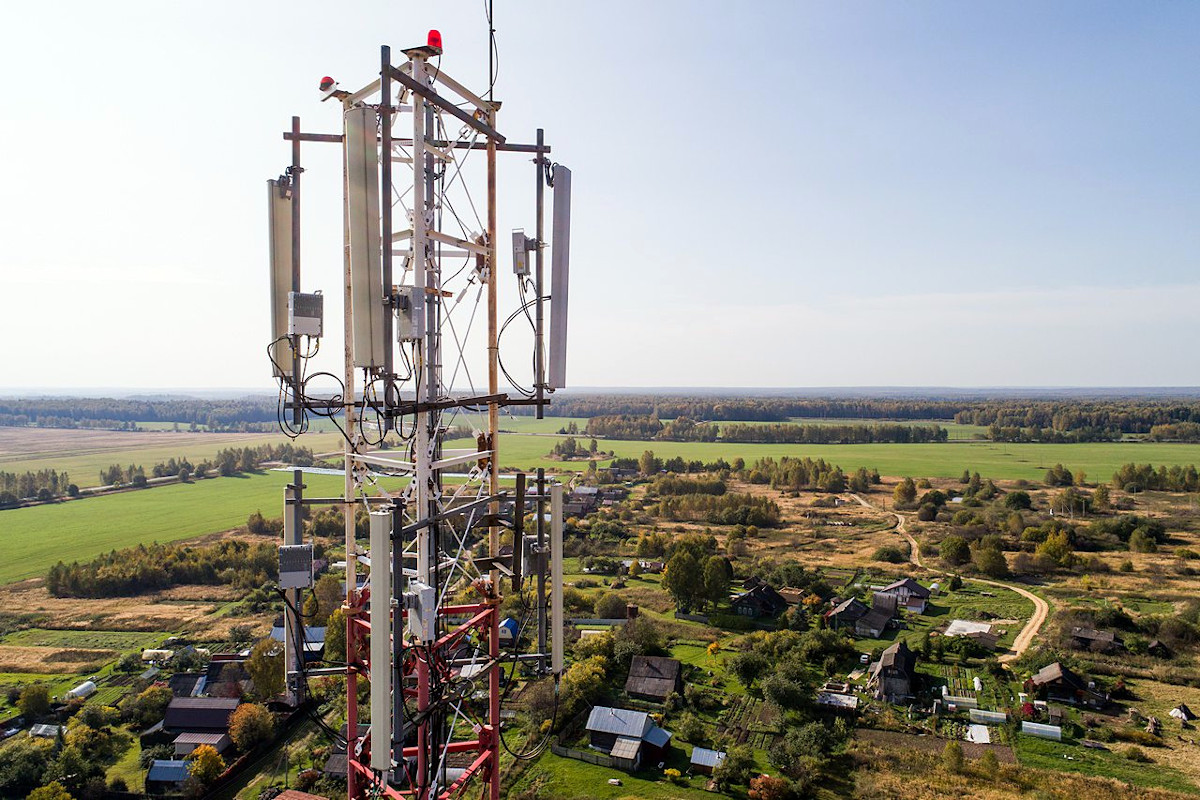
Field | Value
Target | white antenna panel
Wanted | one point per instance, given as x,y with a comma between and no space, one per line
381,640
279,210
366,271
560,263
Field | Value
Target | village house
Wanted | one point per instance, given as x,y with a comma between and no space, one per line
199,714
910,595
845,613
875,621
628,737
653,678
1058,683
759,601
1094,640
894,676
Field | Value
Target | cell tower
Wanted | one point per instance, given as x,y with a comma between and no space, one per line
424,627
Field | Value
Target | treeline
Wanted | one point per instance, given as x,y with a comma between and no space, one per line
755,409
44,484
1146,477
1124,416
148,568
686,429
833,434
668,485
1000,433
725,509
107,412
650,464
1176,432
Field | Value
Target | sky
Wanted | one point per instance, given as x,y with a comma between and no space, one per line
789,194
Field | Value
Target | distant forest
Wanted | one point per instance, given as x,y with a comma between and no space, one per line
1007,419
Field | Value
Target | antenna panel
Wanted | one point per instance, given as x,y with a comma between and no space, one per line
366,271
381,640
279,210
560,261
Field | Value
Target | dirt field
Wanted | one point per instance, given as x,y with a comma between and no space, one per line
151,612
53,660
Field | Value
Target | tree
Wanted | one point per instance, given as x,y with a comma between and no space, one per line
51,791
690,728
716,580
1058,475
251,725
735,769
684,580
952,757
1018,501
148,707
329,593
335,636
610,605
207,765
748,667
988,764
265,666
35,701
905,493
1101,498
991,562
583,683
648,464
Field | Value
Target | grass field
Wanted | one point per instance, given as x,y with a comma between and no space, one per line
940,460
1069,757
100,640
36,538
83,453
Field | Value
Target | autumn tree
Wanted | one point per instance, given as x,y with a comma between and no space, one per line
51,791
250,725
265,666
905,493
207,766
35,701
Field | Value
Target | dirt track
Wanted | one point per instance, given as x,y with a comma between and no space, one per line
1041,609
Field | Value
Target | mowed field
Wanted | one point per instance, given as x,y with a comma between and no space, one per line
938,460
33,539
83,453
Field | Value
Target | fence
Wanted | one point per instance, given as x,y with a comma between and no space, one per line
703,618
590,756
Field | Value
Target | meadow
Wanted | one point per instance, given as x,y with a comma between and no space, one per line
83,453
36,538
1099,460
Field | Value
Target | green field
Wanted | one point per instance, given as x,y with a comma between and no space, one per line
89,640
1069,757
940,460
36,538
84,464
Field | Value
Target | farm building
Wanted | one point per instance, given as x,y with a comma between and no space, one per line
45,731
227,677
653,678
185,743
875,621
199,714
628,737
704,761
1059,683
759,601
894,676
157,654
1094,640
85,689
187,684
845,613
837,696
910,595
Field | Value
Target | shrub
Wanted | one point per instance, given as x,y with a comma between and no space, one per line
1136,754
890,554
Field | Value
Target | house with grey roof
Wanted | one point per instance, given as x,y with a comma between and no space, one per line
653,678
628,737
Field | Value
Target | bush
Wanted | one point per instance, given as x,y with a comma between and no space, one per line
610,605
1136,754
890,554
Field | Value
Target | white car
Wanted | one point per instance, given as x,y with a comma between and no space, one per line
865,658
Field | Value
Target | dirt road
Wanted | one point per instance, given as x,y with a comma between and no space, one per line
1041,609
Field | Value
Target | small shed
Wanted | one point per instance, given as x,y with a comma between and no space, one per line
45,731
166,775
85,689
185,743
704,761
508,632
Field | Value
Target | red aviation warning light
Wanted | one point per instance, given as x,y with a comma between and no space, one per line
434,42
327,83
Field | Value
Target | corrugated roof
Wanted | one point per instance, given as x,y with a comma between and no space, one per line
200,713
658,737
621,721
626,747
703,757
193,737
48,731
169,771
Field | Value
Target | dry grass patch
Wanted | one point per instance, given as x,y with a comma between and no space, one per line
152,612
53,660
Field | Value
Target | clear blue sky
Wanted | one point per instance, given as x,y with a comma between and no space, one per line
766,194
